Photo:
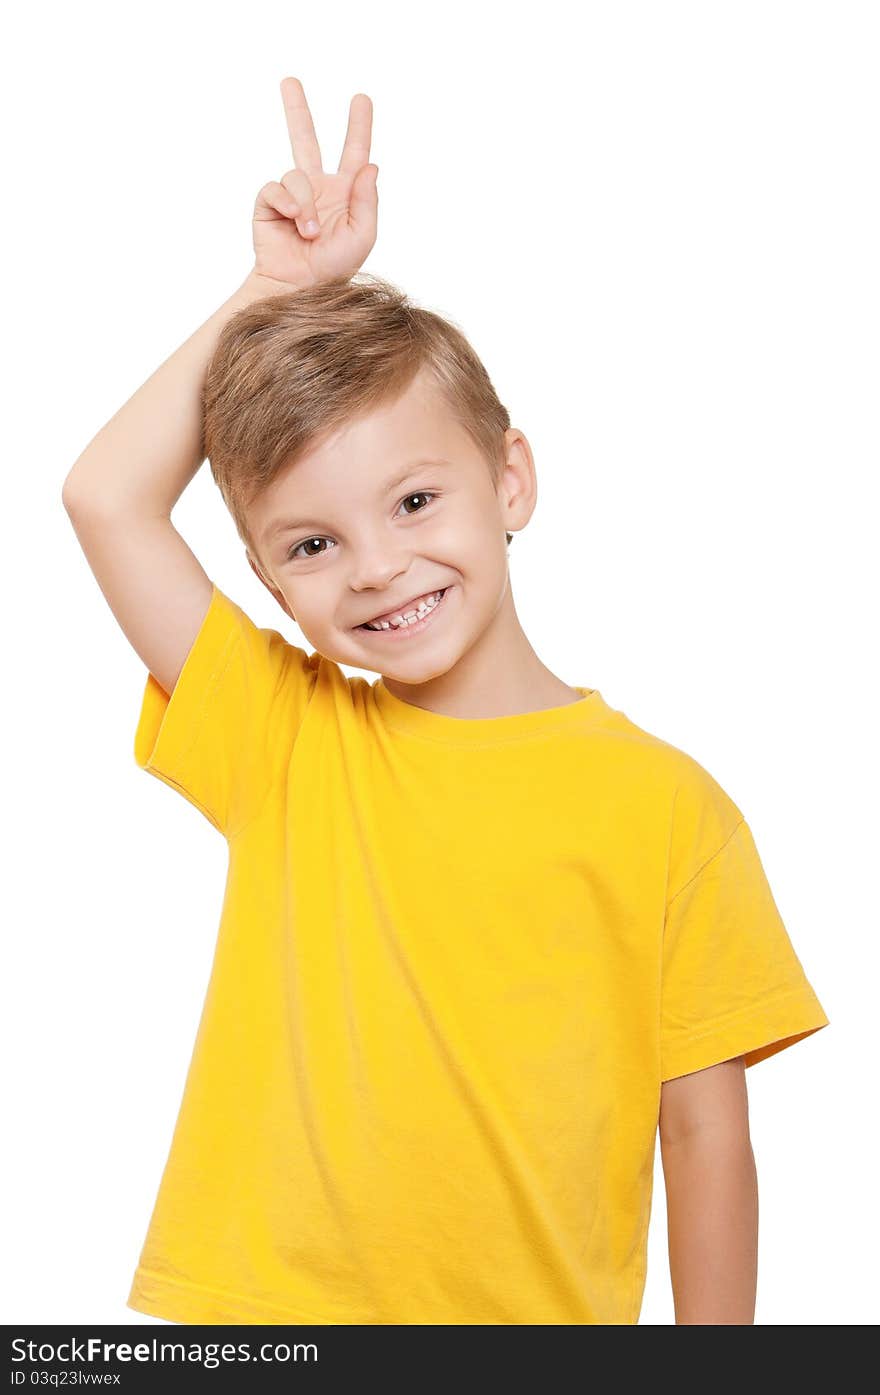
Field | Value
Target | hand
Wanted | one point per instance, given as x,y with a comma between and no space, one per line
343,205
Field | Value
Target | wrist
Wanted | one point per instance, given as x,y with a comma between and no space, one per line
256,286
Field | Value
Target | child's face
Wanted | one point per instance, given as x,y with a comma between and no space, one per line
375,528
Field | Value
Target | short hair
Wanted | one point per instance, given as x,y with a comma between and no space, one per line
291,368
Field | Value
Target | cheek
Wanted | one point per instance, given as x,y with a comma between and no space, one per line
463,535
473,547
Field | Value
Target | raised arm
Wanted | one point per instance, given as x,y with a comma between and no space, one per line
121,490
120,493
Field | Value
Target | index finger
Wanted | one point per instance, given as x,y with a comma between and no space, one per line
303,141
356,151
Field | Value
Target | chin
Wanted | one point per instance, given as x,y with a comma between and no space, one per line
417,673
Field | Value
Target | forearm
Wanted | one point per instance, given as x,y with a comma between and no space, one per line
712,1221
146,455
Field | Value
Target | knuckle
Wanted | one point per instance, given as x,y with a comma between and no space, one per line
296,182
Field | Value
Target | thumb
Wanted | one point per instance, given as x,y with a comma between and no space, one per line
363,201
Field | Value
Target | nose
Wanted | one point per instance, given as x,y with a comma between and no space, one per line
376,572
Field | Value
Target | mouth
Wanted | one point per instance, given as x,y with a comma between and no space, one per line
420,619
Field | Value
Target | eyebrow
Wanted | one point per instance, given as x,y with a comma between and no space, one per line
288,525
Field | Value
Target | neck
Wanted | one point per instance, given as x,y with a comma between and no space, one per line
499,676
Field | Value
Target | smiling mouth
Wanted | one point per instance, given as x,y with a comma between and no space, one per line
418,620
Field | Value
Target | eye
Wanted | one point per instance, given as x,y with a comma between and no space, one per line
295,552
422,494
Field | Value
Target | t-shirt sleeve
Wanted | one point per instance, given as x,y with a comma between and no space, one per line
227,731
732,984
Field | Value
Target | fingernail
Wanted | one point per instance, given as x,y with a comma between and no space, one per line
311,226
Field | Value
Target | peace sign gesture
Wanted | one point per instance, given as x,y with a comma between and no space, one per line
313,226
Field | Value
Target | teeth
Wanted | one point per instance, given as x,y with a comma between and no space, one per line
408,617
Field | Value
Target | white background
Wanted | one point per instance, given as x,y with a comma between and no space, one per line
658,225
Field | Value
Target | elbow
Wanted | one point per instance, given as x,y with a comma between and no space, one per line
69,492
79,497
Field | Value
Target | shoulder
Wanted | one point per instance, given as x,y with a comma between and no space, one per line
672,770
697,811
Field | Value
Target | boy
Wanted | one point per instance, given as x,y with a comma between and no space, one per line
481,934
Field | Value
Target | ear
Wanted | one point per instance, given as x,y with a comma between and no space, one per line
269,587
517,487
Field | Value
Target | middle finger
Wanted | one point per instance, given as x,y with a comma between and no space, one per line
303,141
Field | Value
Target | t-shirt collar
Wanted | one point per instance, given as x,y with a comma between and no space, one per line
479,731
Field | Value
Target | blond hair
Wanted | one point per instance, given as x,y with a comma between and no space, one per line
291,368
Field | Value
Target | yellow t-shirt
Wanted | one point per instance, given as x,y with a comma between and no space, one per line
455,962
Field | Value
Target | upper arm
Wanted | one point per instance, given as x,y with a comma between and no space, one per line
152,581
705,1101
